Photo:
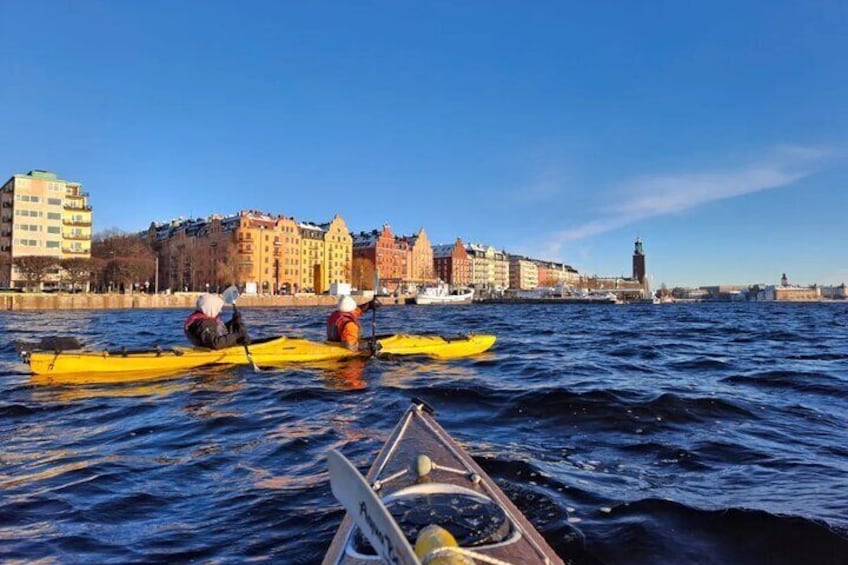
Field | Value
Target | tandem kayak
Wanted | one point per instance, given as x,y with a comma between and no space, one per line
436,497
273,351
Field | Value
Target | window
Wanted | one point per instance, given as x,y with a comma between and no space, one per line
54,201
54,244
54,229
54,216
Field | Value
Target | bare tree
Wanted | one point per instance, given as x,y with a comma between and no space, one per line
77,271
127,272
226,266
34,268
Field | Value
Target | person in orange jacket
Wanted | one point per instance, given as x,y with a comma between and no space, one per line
343,324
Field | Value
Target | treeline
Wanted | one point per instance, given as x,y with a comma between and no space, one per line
118,261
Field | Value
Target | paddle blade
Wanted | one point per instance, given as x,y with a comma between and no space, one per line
368,512
230,295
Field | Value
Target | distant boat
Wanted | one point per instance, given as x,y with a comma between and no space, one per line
443,294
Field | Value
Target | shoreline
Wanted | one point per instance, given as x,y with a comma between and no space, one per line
25,301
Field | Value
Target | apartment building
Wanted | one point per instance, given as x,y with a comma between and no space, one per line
326,252
419,264
42,215
452,264
523,273
489,267
257,251
380,259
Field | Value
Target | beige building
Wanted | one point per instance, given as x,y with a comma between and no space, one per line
42,215
489,267
523,273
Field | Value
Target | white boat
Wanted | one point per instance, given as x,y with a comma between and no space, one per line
443,294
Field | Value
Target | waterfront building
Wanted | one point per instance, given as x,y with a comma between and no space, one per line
523,273
834,292
379,260
257,251
42,215
552,274
419,264
326,252
785,292
452,263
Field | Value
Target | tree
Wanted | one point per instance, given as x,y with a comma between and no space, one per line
77,272
126,272
121,258
34,268
226,265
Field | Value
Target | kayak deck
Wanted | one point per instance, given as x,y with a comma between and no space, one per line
269,352
418,471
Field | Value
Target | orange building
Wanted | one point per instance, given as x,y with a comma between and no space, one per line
419,264
452,264
256,251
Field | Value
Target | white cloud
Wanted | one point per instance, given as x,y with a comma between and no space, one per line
663,194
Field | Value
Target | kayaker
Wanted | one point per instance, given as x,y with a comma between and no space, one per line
204,327
343,324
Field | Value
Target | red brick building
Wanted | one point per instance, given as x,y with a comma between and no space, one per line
452,264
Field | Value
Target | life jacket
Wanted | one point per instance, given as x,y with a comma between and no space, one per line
336,323
194,328
195,316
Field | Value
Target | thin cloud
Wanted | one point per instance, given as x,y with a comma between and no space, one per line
659,195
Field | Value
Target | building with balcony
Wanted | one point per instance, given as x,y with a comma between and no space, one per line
523,273
42,215
257,251
489,267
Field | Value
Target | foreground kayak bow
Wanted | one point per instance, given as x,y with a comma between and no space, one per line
424,478
56,357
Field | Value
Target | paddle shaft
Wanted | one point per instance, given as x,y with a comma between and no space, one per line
246,348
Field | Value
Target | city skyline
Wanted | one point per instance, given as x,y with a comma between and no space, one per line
560,133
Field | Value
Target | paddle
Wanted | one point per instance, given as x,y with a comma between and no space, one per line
230,295
373,341
368,512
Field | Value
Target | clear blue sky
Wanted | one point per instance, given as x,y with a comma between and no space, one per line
716,132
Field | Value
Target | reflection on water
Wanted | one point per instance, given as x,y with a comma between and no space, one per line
74,387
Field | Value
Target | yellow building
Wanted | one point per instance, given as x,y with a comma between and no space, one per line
42,215
325,254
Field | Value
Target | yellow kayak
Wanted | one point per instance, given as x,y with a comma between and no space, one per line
273,351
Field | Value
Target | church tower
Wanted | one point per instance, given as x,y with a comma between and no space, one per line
639,262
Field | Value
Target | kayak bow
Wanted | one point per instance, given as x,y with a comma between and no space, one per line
424,478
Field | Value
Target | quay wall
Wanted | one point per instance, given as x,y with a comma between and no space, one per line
182,300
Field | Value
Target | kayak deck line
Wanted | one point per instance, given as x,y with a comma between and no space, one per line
424,477
45,359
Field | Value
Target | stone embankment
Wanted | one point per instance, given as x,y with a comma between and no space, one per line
184,300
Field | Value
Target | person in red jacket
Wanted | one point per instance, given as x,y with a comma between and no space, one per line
204,327
343,324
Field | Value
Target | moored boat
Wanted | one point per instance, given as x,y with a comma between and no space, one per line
443,294
275,351
422,477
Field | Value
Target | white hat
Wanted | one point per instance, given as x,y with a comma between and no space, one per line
347,304
210,304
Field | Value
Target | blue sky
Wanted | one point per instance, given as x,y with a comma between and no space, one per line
716,132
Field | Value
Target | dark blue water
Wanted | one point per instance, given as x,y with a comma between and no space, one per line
711,433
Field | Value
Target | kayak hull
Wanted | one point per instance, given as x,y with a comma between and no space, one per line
396,475
276,351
